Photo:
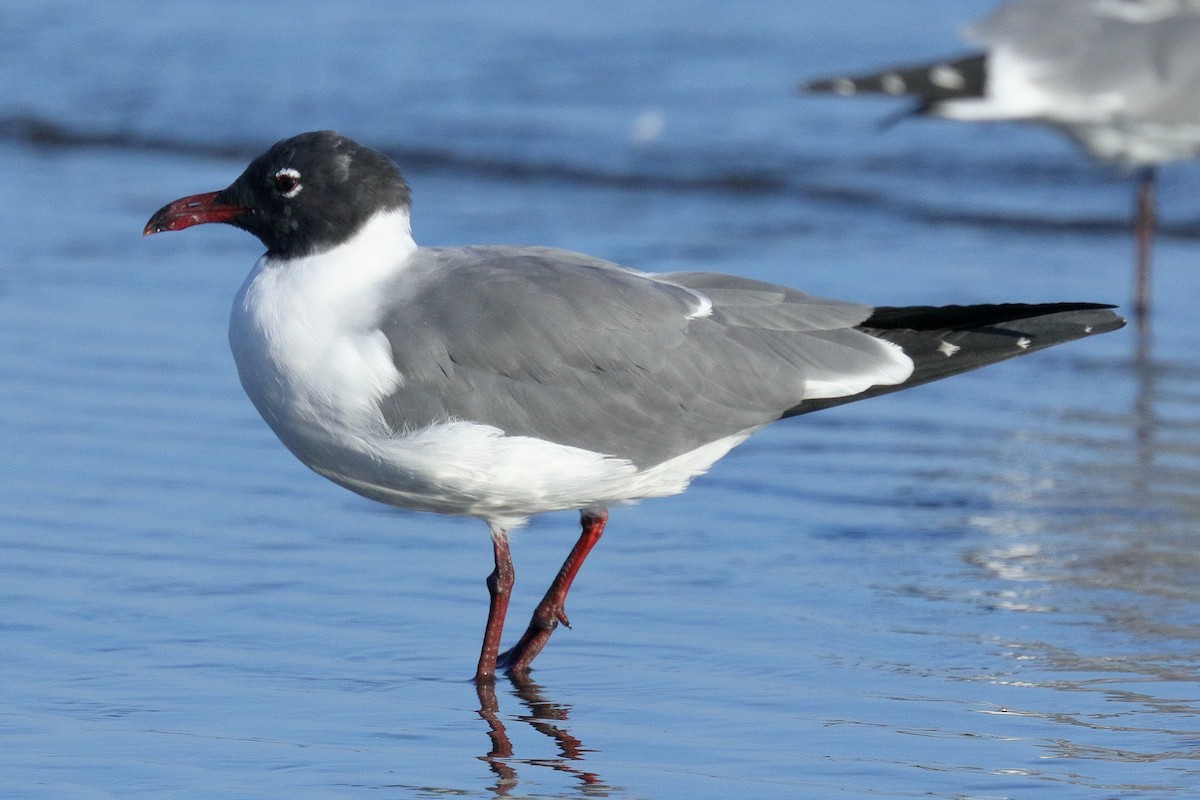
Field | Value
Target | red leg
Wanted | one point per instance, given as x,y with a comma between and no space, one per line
1143,229
550,611
499,584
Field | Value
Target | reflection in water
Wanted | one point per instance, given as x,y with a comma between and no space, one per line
544,717
1143,404
1122,509
1110,544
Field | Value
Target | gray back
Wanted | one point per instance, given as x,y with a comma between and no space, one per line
561,346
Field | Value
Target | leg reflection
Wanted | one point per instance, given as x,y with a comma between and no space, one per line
544,717
1145,419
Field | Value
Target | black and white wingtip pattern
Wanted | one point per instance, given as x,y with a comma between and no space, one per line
930,84
947,340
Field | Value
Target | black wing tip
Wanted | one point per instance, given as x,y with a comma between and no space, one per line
949,340
932,82
956,316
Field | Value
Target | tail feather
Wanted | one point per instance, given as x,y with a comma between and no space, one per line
947,340
930,83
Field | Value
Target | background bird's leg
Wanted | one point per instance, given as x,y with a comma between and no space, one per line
499,584
550,611
1143,229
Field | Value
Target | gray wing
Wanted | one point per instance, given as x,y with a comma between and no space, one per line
564,347
1142,55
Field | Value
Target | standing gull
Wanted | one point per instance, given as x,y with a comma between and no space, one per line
1120,77
500,382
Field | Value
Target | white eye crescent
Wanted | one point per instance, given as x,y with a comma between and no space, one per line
287,182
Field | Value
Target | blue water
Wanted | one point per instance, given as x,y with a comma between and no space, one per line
985,588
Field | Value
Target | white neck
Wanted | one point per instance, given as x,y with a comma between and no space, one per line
303,332
377,249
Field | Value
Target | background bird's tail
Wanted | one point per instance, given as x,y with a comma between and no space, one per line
929,83
946,340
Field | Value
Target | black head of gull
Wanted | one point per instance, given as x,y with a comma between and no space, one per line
306,194
501,382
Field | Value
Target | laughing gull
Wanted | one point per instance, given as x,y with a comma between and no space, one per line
1119,77
500,382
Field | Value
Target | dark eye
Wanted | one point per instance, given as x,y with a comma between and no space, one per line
287,182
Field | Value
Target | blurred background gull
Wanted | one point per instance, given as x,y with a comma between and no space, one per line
1119,77
984,587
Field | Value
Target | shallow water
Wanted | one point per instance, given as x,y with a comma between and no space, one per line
984,588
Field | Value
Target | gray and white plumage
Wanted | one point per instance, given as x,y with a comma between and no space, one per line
501,382
579,351
1120,77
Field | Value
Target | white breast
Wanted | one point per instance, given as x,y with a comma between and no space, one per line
304,337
